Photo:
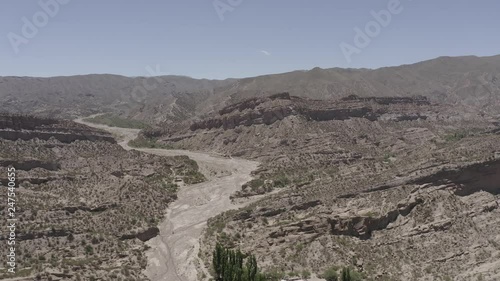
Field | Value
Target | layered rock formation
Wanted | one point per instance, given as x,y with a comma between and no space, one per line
277,107
398,188
14,127
424,228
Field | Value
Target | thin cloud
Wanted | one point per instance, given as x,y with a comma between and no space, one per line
265,52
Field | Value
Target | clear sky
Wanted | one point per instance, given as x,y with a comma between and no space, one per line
244,38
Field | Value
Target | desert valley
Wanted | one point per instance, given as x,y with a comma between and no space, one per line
385,174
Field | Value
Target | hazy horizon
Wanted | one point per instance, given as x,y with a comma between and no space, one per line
234,77
220,39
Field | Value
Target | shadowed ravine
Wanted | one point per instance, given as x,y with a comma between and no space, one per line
174,253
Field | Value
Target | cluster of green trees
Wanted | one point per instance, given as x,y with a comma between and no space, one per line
231,265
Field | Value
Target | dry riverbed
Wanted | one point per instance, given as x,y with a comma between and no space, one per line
174,253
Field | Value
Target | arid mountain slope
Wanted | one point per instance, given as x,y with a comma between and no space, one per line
443,79
440,227
400,188
85,206
151,99
469,81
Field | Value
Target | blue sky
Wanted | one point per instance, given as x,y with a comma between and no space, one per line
255,37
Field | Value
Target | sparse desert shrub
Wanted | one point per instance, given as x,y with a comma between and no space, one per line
192,177
281,181
331,274
453,137
95,240
255,183
172,187
388,156
306,274
89,250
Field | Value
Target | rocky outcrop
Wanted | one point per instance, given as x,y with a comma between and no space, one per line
268,110
467,179
62,137
272,212
97,209
416,100
14,127
252,103
306,205
339,113
24,122
248,117
142,235
148,234
305,227
363,226
463,180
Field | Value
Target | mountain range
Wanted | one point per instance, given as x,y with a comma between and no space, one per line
460,81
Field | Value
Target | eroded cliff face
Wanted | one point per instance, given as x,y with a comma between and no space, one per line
399,188
281,125
424,228
277,107
14,127
464,181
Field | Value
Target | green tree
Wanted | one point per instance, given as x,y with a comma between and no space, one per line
238,272
252,268
356,276
228,265
218,262
260,277
346,274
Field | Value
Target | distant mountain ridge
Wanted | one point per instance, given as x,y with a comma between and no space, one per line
463,81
